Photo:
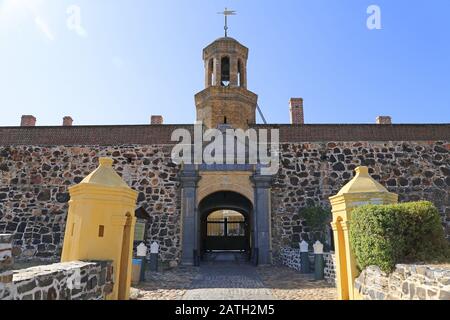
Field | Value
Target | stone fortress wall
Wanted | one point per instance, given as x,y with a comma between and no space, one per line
34,193
34,178
312,172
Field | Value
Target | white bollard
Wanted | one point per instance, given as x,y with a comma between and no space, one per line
154,247
141,250
318,247
154,251
141,253
304,246
319,263
304,257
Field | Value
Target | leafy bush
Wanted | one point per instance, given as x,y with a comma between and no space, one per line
384,235
316,219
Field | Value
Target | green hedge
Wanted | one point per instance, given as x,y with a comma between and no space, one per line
384,235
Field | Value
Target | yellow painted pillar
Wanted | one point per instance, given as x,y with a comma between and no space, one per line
361,190
352,270
100,224
341,266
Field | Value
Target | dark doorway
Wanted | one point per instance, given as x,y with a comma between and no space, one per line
225,223
226,230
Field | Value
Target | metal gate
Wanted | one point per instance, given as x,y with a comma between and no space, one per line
223,235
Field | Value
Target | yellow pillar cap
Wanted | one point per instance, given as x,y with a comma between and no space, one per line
105,175
362,182
107,162
362,170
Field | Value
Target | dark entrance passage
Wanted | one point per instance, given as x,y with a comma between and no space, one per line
225,223
226,230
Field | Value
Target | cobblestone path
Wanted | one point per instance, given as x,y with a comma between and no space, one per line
232,281
289,284
228,281
165,285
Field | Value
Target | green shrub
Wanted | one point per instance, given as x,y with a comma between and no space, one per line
384,235
316,219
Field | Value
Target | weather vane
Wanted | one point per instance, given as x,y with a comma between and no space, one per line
227,13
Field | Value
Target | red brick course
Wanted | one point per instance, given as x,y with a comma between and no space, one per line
161,134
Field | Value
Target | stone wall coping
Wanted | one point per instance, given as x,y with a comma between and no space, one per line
420,268
288,249
6,238
413,267
44,270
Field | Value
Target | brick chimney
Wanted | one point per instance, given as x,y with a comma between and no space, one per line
157,120
296,109
67,121
384,120
28,121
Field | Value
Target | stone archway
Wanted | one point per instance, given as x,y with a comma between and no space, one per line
226,223
217,181
198,184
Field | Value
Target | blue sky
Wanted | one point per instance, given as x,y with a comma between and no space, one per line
136,58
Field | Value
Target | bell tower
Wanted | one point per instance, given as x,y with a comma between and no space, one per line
225,99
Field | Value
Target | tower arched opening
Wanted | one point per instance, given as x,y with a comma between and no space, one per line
225,71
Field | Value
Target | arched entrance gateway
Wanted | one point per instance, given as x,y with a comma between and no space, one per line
225,223
225,210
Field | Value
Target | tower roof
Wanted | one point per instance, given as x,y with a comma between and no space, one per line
362,182
226,39
105,175
225,45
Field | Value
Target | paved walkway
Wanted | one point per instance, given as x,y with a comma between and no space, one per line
227,280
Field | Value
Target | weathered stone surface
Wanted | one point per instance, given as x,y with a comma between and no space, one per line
407,282
6,262
291,258
61,281
330,268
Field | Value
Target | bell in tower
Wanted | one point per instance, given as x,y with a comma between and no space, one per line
225,99
225,69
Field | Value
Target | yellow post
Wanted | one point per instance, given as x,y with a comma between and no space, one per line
100,224
361,190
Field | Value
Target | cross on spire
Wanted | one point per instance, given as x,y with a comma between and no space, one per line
227,13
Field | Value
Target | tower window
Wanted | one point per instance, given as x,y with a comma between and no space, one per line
225,71
225,120
239,74
211,72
